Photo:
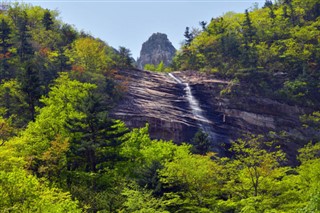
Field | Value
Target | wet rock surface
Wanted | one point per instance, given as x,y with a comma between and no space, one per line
157,99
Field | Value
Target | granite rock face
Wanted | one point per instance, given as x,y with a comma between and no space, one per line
156,49
241,115
157,99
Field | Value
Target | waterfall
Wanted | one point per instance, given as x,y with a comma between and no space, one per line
203,123
175,78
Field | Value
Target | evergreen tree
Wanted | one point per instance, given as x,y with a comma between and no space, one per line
203,25
249,32
149,178
250,57
230,45
47,20
29,80
201,143
68,34
5,44
25,49
268,3
95,137
189,36
125,60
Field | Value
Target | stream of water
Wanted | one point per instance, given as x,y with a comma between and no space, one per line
203,122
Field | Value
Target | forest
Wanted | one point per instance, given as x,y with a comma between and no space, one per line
61,152
273,51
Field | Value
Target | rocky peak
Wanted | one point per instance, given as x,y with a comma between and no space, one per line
156,49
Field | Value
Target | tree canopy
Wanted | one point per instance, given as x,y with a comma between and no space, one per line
272,51
61,152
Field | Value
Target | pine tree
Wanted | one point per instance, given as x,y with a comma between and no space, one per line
96,137
268,3
189,36
47,20
29,79
201,143
25,49
125,59
5,44
249,36
203,25
249,32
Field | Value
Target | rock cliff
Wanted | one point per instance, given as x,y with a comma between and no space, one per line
156,49
243,114
157,99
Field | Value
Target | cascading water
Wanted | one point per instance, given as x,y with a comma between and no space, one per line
197,112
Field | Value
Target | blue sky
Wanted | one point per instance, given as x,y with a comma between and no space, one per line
129,23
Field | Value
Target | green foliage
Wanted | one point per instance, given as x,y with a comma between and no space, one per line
47,20
308,179
30,85
21,192
14,104
6,130
141,152
189,36
149,178
301,91
149,67
74,158
138,200
312,121
157,68
160,67
124,59
24,48
196,177
70,143
54,159
258,161
60,106
35,45
201,143
278,39
87,55
5,44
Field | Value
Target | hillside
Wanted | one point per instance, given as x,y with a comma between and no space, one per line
271,52
234,129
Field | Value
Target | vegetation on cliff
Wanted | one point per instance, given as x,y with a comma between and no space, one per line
60,151
273,51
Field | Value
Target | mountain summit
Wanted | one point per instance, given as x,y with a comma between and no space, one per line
156,49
